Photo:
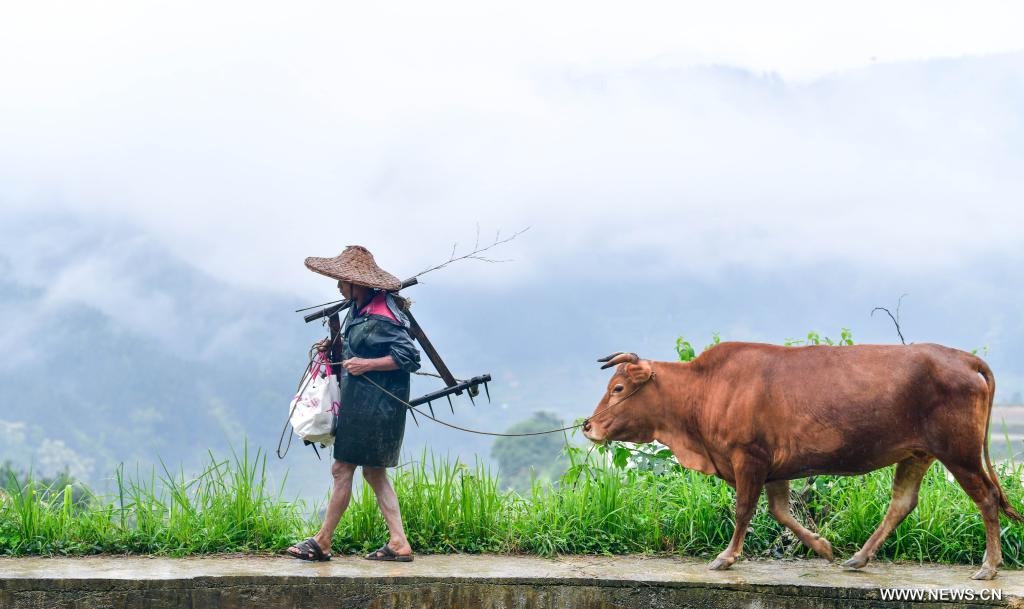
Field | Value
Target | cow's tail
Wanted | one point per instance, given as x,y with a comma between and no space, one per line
1004,503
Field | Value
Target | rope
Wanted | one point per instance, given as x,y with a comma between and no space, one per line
456,427
501,435
465,429
437,376
303,383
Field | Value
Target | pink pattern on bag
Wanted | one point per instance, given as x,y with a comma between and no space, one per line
321,367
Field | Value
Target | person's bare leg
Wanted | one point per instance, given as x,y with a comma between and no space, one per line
341,494
387,501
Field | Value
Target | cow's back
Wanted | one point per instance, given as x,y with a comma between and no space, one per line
848,409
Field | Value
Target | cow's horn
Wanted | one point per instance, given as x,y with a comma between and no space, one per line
617,358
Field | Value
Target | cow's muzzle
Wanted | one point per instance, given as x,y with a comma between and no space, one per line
588,433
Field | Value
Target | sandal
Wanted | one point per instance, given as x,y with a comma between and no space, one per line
309,550
386,553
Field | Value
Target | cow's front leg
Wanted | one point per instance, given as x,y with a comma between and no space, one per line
749,480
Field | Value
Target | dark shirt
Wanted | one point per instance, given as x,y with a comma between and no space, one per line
371,420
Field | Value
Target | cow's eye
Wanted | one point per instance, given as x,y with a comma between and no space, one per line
618,389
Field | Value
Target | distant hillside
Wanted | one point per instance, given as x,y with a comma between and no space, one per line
117,352
92,378
94,393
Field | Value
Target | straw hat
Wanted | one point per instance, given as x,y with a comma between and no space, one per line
356,265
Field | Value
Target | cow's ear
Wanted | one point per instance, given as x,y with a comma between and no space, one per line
640,372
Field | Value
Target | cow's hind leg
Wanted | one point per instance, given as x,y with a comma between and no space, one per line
749,481
779,506
986,495
906,486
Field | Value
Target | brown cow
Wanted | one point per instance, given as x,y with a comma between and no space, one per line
760,415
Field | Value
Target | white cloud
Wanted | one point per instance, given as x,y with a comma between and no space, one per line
54,269
673,139
246,137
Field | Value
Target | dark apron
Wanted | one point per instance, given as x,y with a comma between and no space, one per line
371,424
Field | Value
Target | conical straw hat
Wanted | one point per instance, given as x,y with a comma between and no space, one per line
356,265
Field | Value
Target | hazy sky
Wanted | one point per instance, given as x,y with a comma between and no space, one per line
245,136
756,168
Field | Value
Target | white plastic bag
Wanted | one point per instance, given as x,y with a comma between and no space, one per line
312,411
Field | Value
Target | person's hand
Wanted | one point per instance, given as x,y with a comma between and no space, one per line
325,344
357,365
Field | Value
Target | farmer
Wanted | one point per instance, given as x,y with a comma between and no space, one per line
376,347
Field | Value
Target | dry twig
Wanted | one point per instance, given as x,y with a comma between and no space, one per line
896,319
477,251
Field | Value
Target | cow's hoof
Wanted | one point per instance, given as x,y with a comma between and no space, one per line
720,564
825,551
855,562
985,573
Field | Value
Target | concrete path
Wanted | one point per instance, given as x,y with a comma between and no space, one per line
485,581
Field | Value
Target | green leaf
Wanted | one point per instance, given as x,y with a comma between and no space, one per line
621,457
685,350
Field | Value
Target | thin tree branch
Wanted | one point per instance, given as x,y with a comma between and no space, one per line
895,319
475,254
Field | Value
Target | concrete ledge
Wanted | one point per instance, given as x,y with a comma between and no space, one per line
477,581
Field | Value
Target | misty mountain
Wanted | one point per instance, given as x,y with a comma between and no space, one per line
117,352
110,390
91,378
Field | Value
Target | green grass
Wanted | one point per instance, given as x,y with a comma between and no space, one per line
451,507
227,507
